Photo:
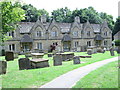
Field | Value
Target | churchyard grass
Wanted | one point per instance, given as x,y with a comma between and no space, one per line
103,77
34,78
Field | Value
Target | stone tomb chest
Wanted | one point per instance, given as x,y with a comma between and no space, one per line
39,63
66,56
37,55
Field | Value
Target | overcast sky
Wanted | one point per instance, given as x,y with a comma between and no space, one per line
108,6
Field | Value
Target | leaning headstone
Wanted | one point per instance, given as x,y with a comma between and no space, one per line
76,60
3,67
89,51
9,55
57,60
112,52
24,63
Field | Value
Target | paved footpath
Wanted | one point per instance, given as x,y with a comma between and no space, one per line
68,80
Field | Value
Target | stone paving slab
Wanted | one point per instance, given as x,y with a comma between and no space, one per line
69,79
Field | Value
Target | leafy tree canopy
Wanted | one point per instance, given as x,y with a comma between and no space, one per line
32,13
11,14
117,26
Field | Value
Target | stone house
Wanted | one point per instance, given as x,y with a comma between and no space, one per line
76,36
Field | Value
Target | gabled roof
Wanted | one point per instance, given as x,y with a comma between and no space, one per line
26,38
25,27
117,34
64,27
96,27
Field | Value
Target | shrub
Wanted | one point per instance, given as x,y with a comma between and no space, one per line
117,43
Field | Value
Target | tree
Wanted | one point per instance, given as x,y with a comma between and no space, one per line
62,15
11,14
32,13
108,18
117,26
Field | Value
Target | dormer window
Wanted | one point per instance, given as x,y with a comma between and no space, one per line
39,33
88,33
11,34
75,33
105,34
54,33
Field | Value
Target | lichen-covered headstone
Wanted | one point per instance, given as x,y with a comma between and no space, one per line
76,60
24,63
57,60
89,51
3,67
9,55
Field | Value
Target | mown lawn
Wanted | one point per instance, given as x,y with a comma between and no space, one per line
103,77
16,78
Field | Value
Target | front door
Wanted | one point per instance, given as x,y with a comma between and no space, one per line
66,46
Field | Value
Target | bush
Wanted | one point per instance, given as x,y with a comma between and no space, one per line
3,52
117,43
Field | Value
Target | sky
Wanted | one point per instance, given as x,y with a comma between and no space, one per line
108,6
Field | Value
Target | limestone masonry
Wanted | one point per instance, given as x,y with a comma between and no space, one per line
76,36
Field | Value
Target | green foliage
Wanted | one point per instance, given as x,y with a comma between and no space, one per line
108,18
90,14
62,15
117,43
117,26
34,78
11,14
32,13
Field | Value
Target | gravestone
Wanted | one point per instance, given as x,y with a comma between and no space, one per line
39,63
3,67
24,63
57,60
112,51
89,51
76,60
9,55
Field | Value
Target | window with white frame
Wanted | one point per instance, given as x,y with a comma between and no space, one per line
76,44
54,33
75,33
88,43
105,33
11,47
105,43
11,34
88,33
39,46
39,34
